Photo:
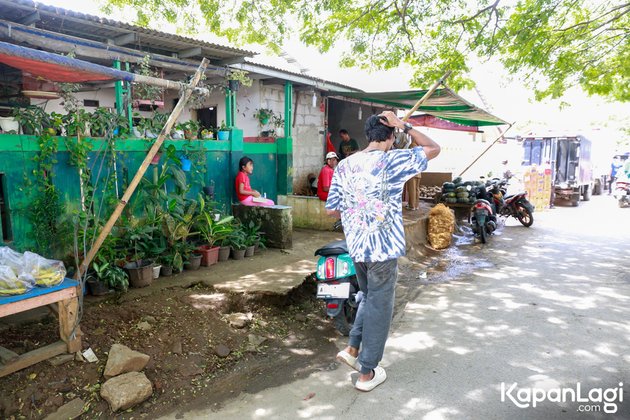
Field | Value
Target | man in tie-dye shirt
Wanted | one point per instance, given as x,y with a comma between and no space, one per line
366,192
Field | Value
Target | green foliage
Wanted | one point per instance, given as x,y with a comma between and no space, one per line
252,234
263,115
237,239
240,76
143,90
113,276
33,119
212,231
553,44
46,209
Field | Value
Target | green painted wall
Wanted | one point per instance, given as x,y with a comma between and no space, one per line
18,151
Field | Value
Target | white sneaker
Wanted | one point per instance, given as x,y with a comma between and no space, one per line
345,358
379,378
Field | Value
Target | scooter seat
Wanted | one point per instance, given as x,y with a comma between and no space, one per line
333,248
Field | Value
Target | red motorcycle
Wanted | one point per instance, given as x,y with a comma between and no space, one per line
622,193
515,205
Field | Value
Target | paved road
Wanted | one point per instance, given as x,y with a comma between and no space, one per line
545,308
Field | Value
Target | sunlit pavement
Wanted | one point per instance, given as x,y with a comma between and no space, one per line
545,308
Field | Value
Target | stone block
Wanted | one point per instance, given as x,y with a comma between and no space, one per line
275,221
127,390
122,359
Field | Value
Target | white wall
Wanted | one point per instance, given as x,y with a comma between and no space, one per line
308,143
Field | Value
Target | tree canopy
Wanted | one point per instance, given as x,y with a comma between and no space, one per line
551,44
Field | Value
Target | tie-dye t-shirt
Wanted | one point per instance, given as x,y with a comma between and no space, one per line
367,189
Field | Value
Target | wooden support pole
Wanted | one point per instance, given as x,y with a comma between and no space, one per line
426,95
487,148
143,168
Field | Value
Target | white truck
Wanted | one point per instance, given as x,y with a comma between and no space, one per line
570,160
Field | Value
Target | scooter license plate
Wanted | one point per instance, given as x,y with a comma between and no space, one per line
333,291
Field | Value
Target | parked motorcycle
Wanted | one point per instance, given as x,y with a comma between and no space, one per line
622,193
337,284
515,205
483,215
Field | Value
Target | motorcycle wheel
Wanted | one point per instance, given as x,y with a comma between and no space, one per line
524,215
345,319
482,234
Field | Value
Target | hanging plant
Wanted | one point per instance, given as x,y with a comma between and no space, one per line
143,91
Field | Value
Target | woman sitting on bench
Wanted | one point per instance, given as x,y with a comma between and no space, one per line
244,192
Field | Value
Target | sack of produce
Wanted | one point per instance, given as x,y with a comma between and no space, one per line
10,284
44,272
441,226
11,258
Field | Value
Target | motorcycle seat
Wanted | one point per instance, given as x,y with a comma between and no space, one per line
333,248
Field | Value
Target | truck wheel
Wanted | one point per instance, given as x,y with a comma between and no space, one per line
586,196
575,199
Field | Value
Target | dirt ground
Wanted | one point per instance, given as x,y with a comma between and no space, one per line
186,326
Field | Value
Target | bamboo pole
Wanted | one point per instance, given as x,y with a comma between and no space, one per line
426,95
488,148
143,168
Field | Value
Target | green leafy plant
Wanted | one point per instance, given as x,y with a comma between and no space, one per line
77,122
144,91
190,128
103,122
114,277
236,239
264,115
212,231
177,228
32,119
240,76
223,126
207,133
252,234
138,233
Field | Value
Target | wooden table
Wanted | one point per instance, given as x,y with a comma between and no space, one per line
66,296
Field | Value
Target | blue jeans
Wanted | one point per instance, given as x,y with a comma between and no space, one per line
377,281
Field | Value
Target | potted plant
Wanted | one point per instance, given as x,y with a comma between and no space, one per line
211,232
191,256
31,119
140,270
236,78
224,132
112,276
207,133
278,125
96,285
264,115
251,232
237,244
190,129
177,228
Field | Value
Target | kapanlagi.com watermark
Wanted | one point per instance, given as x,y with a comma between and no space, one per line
593,400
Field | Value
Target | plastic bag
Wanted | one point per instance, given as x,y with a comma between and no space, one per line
10,284
45,272
11,258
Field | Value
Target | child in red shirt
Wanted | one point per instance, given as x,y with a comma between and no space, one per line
244,191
